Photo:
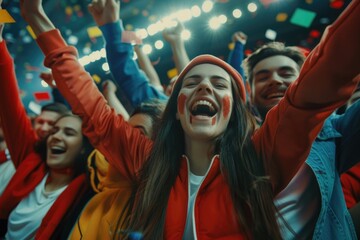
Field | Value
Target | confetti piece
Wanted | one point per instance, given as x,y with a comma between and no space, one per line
172,73
266,3
231,46
315,34
281,17
302,17
337,4
96,78
31,32
5,17
42,96
68,11
94,32
270,34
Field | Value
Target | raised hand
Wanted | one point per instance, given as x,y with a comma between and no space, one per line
108,87
33,13
173,34
104,11
239,37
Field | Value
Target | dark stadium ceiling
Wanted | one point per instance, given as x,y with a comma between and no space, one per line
295,22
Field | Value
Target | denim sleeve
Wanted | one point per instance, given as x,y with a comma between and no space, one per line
236,57
125,70
348,148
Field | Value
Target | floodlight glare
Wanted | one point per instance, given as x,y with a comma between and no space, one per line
214,23
186,34
195,11
105,67
252,7
159,44
147,48
237,13
207,6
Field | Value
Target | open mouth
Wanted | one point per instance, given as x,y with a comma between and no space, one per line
275,95
57,150
203,108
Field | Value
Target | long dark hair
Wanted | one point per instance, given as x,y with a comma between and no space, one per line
243,169
81,160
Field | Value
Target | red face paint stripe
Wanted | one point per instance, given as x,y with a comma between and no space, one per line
181,103
226,106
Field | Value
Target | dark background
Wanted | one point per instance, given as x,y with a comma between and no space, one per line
73,19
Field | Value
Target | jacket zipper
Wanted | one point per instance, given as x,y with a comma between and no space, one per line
193,211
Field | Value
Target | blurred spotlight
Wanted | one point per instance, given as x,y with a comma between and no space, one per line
207,6
195,11
105,67
184,15
186,34
73,40
252,7
84,60
152,29
237,13
27,39
222,18
94,56
103,53
142,33
86,50
159,44
214,23
147,48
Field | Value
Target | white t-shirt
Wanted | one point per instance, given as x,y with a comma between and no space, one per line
299,204
7,170
195,182
26,218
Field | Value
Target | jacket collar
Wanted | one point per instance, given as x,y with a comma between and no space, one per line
211,174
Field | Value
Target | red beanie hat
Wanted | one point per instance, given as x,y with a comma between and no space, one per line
216,61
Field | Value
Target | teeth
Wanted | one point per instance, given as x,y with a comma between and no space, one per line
275,95
57,148
203,102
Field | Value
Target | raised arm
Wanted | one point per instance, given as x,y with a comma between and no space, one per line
18,132
236,56
327,79
132,81
148,68
124,147
173,36
109,92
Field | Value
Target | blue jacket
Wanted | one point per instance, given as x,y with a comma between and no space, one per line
131,80
335,150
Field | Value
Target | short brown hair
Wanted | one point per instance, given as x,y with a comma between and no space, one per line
270,50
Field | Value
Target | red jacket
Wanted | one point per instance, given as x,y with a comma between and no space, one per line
350,181
30,169
284,139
